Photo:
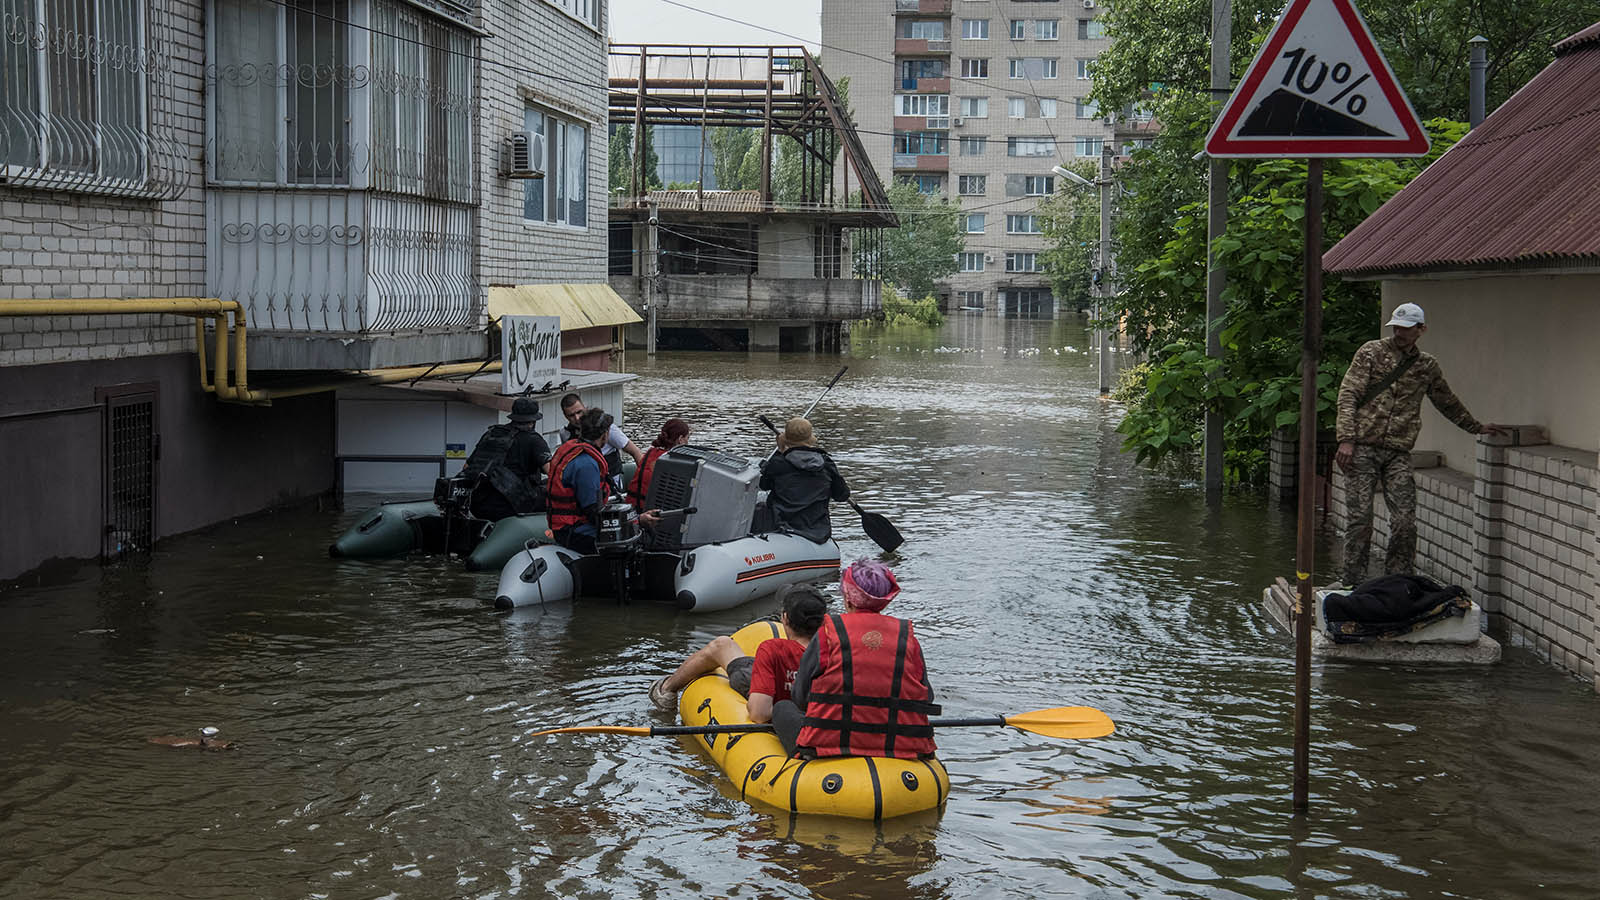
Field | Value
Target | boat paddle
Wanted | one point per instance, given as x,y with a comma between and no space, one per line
878,527
1068,722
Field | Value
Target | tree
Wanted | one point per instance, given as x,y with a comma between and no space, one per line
619,159
1072,230
925,246
729,147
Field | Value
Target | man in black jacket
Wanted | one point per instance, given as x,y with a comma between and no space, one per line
802,478
504,467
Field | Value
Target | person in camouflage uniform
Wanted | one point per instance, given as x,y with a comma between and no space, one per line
1380,413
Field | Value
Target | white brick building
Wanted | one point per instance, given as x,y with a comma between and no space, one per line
334,166
975,100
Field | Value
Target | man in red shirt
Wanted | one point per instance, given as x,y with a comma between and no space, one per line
764,679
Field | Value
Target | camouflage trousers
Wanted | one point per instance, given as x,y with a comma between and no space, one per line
1376,467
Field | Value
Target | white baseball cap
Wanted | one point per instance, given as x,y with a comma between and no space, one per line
1406,315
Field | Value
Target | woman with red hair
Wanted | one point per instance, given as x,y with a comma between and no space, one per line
674,433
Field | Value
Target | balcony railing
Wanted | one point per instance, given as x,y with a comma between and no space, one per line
922,7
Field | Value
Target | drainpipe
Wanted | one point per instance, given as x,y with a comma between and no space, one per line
1476,86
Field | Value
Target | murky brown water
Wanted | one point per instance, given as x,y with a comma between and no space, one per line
381,709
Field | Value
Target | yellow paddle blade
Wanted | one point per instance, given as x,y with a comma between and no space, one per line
1064,722
597,729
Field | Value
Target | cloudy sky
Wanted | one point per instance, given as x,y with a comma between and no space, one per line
660,22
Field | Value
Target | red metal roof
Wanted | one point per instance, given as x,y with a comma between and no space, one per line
1522,189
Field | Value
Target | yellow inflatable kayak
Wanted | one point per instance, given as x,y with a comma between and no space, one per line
858,787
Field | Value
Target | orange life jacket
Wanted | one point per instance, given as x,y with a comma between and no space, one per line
639,487
871,695
565,509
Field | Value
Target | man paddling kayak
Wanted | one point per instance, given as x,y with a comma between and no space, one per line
801,478
862,683
765,678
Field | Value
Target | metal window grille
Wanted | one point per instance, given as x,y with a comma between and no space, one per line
130,477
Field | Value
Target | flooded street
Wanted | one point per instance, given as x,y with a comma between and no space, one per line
381,708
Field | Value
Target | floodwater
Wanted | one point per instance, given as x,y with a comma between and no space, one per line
381,709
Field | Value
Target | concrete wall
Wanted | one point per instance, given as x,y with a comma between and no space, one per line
787,250
529,39
1519,533
1515,349
694,298
216,460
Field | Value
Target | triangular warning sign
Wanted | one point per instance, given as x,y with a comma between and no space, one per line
1318,87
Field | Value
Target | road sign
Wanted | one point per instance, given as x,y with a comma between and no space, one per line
1318,87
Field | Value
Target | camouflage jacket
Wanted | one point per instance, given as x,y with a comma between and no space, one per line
1393,418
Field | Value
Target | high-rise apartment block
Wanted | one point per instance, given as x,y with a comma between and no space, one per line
976,100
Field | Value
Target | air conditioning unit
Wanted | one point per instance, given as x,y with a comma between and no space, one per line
1088,4
958,122
1111,120
988,257
524,155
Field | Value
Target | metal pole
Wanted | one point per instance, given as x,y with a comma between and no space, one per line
1216,226
1105,267
654,276
1305,551
1478,83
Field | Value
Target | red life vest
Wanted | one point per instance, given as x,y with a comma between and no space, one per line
639,487
871,695
565,509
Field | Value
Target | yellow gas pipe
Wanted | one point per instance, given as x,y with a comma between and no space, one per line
228,319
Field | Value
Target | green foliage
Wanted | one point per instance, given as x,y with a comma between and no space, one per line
619,159
1256,386
1072,229
898,310
923,249
729,148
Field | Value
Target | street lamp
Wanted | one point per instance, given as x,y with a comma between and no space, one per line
1072,176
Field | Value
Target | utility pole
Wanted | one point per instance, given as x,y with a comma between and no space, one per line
1216,226
1106,267
652,277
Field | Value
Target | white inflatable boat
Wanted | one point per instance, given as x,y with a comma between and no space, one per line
702,558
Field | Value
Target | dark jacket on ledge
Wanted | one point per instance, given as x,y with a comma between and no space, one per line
802,480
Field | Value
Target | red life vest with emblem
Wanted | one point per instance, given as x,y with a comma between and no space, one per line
870,696
565,510
639,487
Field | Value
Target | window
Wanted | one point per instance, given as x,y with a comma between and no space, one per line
561,197
1137,144
927,184
1047,29
975,107
971,262
1017,107
974,68
1030,146
74,87
586,11
1033,67
1025,224
971,299
1087,109
974,224
1089,146
971,185
913,69
1047,108
1019,29
1085,68
922,143
1022,262
293,129
974,146
931,105
1038,185
1091,30
284,95
920,29
975,29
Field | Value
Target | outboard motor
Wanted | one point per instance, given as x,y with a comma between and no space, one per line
618,535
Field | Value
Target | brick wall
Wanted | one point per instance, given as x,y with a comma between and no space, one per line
1519,534
540,55
68,244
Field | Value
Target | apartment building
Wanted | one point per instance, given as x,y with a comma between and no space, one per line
975,100
321,188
